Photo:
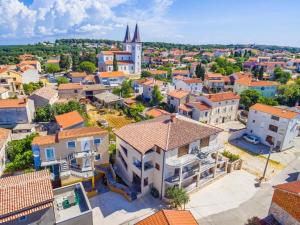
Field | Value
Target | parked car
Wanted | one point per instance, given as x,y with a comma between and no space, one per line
251,138
103,123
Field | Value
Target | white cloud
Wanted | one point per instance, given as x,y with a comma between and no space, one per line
45,18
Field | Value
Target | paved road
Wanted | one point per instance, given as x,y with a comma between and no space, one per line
259,204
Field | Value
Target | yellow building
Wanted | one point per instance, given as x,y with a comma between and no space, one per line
11,80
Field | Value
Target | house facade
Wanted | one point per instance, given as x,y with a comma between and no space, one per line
193,85
129,60
164,153
16,111
44,96
274,124
5,137
113,79
71,152
176,98
11,80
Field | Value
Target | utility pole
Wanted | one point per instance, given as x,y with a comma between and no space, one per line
266,166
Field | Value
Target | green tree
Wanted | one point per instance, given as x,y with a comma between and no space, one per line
125,90
19,154
200,71
62,80
267,101
289,94
52,68
87,66
261,73
249,97
65,61
115,63
145,73
178,196
75,61
281,76
156,96
31,87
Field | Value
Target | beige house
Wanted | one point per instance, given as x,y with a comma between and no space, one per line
168,151
176,98
44,96
72,152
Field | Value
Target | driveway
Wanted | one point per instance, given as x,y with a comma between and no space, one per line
111,208
224,194
228,127
255,149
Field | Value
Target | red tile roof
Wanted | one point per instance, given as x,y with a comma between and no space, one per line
218,97
178,94
13,103
66,134
292,187
169,217
248,81
284,113
112,74
24,194
156,112
109,62
77,74
69,119
202,106
70,86
116,52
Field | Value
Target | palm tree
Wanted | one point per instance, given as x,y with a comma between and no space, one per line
178,196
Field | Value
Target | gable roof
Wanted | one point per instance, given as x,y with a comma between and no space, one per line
169,217
111,74
178,94
248,81
24,194
202,106
45,92
70,86
156,112
223,96
77,74
292,187
284,113
69,119
66,134
167,132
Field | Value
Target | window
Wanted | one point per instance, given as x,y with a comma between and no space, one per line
146,182
157,166
253,121
124,150
49,152
71,144
275,118
97,141
97,157
273,128
183,150
23,218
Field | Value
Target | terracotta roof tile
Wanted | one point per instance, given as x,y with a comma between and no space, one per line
70,86
248,81
77,74
13,103
112,74
222,96
169,217
178,94
69,119
202,106
21,193
156,112
109,62
164,132
45,92
185,107
293,187
284,113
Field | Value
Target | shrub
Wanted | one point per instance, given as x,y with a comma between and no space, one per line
232,157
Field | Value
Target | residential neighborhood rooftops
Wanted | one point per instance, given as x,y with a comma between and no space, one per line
24,194
167,132
112,74
45,92
66,134
69,119
169,217
178,94
292,187
70,86
276,111
13,103
218,97
152,82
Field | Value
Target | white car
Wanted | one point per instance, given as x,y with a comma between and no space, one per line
251,138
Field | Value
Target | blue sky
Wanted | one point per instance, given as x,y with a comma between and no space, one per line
180,21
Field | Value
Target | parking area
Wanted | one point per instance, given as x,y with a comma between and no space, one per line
111,208
252,148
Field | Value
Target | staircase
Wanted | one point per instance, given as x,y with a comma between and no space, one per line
64,169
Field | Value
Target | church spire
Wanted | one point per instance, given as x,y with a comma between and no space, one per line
127,35
136,36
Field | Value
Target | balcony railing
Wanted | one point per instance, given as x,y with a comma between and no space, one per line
173,179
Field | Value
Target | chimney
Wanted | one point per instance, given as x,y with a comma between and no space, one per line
173,118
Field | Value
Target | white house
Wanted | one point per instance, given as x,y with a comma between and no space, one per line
15,111
193,85
114,78
29,74
129,60
4,93
163,153
176,98
273,124
5,137
149,85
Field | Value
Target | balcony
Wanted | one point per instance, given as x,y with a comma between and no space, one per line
181,161
173,179
148,166
137,164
